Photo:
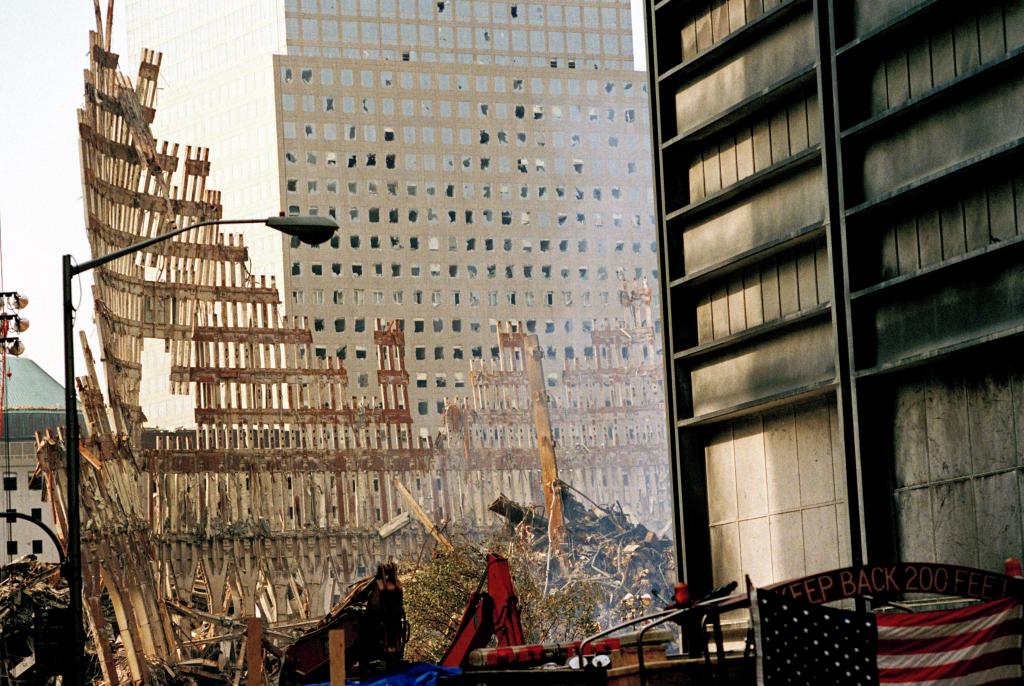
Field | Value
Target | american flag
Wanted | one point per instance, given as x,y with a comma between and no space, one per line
802,643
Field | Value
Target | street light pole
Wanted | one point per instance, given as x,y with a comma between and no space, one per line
308,229
73,465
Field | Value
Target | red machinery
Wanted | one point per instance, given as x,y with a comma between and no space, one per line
376,631
494,612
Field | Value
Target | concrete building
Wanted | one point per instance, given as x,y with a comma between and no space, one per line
841,215
487,161
33,401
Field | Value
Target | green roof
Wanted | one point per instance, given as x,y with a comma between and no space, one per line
30,388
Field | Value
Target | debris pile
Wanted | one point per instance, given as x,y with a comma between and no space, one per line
601,547
33,620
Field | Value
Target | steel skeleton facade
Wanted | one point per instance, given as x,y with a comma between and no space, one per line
485,159
606,419
842,215
284,490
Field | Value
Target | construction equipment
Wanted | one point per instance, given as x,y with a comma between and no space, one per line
376,631
494,612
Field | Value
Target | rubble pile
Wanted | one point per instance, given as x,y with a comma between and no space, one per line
33,614
215,650
602,547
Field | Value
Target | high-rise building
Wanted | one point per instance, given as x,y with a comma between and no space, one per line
486,161
841,215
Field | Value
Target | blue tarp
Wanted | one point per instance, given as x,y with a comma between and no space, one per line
419,674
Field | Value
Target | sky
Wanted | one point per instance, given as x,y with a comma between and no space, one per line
44,50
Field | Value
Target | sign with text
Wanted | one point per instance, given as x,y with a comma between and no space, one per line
902,577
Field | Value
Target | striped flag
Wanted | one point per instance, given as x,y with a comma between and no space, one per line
980,644
802,643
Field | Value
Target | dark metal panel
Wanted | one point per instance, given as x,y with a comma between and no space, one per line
1013,16
767,367
692,473
849,428
689,521
765,63
945,311
937,142
759,219
947,425
868,15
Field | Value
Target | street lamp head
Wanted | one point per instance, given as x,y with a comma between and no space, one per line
308,229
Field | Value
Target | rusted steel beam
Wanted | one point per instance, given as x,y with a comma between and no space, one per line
424,519
116,238
533,353
254,650
289,460
137,285
265,375
262,335
328,416
150,203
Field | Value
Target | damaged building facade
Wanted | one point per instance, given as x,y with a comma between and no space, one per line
841,212
288,487
488,161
